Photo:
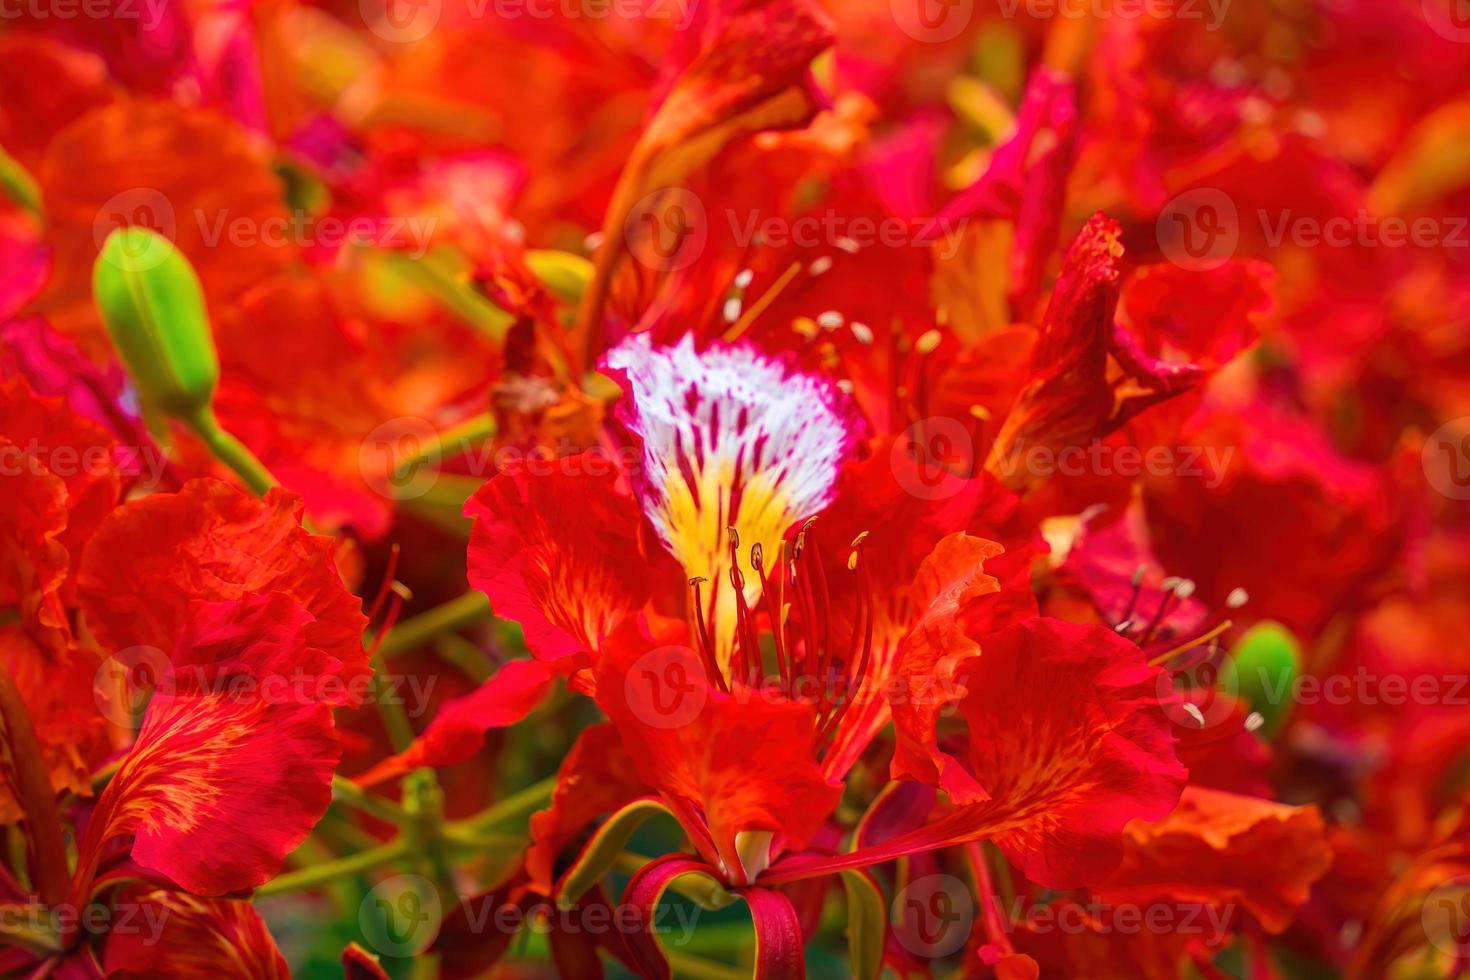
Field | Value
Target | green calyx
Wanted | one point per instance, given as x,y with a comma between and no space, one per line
151,301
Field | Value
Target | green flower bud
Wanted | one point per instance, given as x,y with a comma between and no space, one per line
1262,670
151,301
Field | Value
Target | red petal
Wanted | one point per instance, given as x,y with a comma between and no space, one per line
555,547
951,578
1227,851
233,766
177,935
779,952
359,964
152,557
1175,324
1068,400
1067,737
695,745
459,727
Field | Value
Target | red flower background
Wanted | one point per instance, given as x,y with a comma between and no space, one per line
700,487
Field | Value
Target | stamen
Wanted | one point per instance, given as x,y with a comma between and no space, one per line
701,632
759,306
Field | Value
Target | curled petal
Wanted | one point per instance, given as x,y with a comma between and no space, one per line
1225,850
213,542
779,953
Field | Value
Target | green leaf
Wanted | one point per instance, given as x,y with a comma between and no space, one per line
565,274
867,922
601,852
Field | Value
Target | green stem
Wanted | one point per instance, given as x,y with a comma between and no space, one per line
233,453
19,185
467,610
346,791
453,442
431,275
513,807
393,713
321,874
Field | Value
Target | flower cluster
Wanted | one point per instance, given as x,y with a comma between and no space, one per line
683,487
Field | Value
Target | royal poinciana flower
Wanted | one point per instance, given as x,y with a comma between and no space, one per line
242,642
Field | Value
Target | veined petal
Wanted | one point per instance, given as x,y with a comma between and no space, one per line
558,552
232,767
1067,737
731,438
179,935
